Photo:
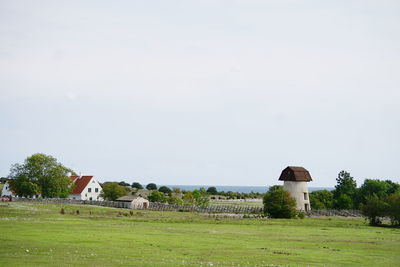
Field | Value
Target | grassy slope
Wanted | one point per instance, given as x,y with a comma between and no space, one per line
184,239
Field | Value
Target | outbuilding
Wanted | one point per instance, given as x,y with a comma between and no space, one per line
136,201
295,181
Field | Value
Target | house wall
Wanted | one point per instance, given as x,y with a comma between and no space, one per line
86,195
140,203
6,190
298,190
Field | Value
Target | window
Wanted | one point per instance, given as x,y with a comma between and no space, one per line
90,198
96,190
74,198
89,189
305,196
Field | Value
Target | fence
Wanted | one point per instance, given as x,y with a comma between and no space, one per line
152,206
190,208
343,213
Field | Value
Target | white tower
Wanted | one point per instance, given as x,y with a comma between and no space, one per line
295,181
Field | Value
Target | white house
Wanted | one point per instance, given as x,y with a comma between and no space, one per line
86,188
295,181
6,190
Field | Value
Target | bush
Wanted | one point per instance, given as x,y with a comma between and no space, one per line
157,196
373,209
301,215
279,204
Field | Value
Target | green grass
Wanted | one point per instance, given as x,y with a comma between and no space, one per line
36,234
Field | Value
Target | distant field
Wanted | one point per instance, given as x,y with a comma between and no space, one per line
36,234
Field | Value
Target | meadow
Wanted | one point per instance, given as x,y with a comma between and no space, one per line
37,234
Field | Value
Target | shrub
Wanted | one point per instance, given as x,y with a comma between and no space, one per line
373,209
301,215
278,203
62,211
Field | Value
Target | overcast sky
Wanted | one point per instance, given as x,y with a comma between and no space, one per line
202,92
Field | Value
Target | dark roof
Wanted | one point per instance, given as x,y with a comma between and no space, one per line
297,174
80,183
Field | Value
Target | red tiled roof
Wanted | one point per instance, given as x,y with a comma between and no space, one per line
73,177
80,184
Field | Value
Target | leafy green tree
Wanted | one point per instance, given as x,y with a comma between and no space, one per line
278,203
123,183
112,191
23,187
165,189
201,197
321,200
151,186
373,209
157,196
49,176
372,187
393,208
137,185
345,191
188,198
212,190
174,201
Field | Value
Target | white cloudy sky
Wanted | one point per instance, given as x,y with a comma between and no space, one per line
202,92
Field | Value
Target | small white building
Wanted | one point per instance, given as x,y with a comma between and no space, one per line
85,188
6,191
295,181
136,201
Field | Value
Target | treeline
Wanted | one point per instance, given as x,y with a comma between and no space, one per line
376,198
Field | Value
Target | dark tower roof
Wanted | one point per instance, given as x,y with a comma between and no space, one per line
296,174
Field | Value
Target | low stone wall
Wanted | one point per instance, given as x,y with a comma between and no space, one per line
334,213
190,208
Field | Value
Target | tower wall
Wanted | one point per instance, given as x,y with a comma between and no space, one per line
299,191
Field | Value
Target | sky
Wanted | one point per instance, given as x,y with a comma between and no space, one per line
202,92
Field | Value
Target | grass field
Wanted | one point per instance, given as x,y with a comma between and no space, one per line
36,234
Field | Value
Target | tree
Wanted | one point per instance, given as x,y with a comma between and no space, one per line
373,209
345,190
201,197
165,189
41,173
112,191
123,183
373,187
188,198
321,199
393,208
174,201
278,203
212,190
157,196
151,186
23,187
137,185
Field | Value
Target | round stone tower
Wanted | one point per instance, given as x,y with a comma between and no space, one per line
295,181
